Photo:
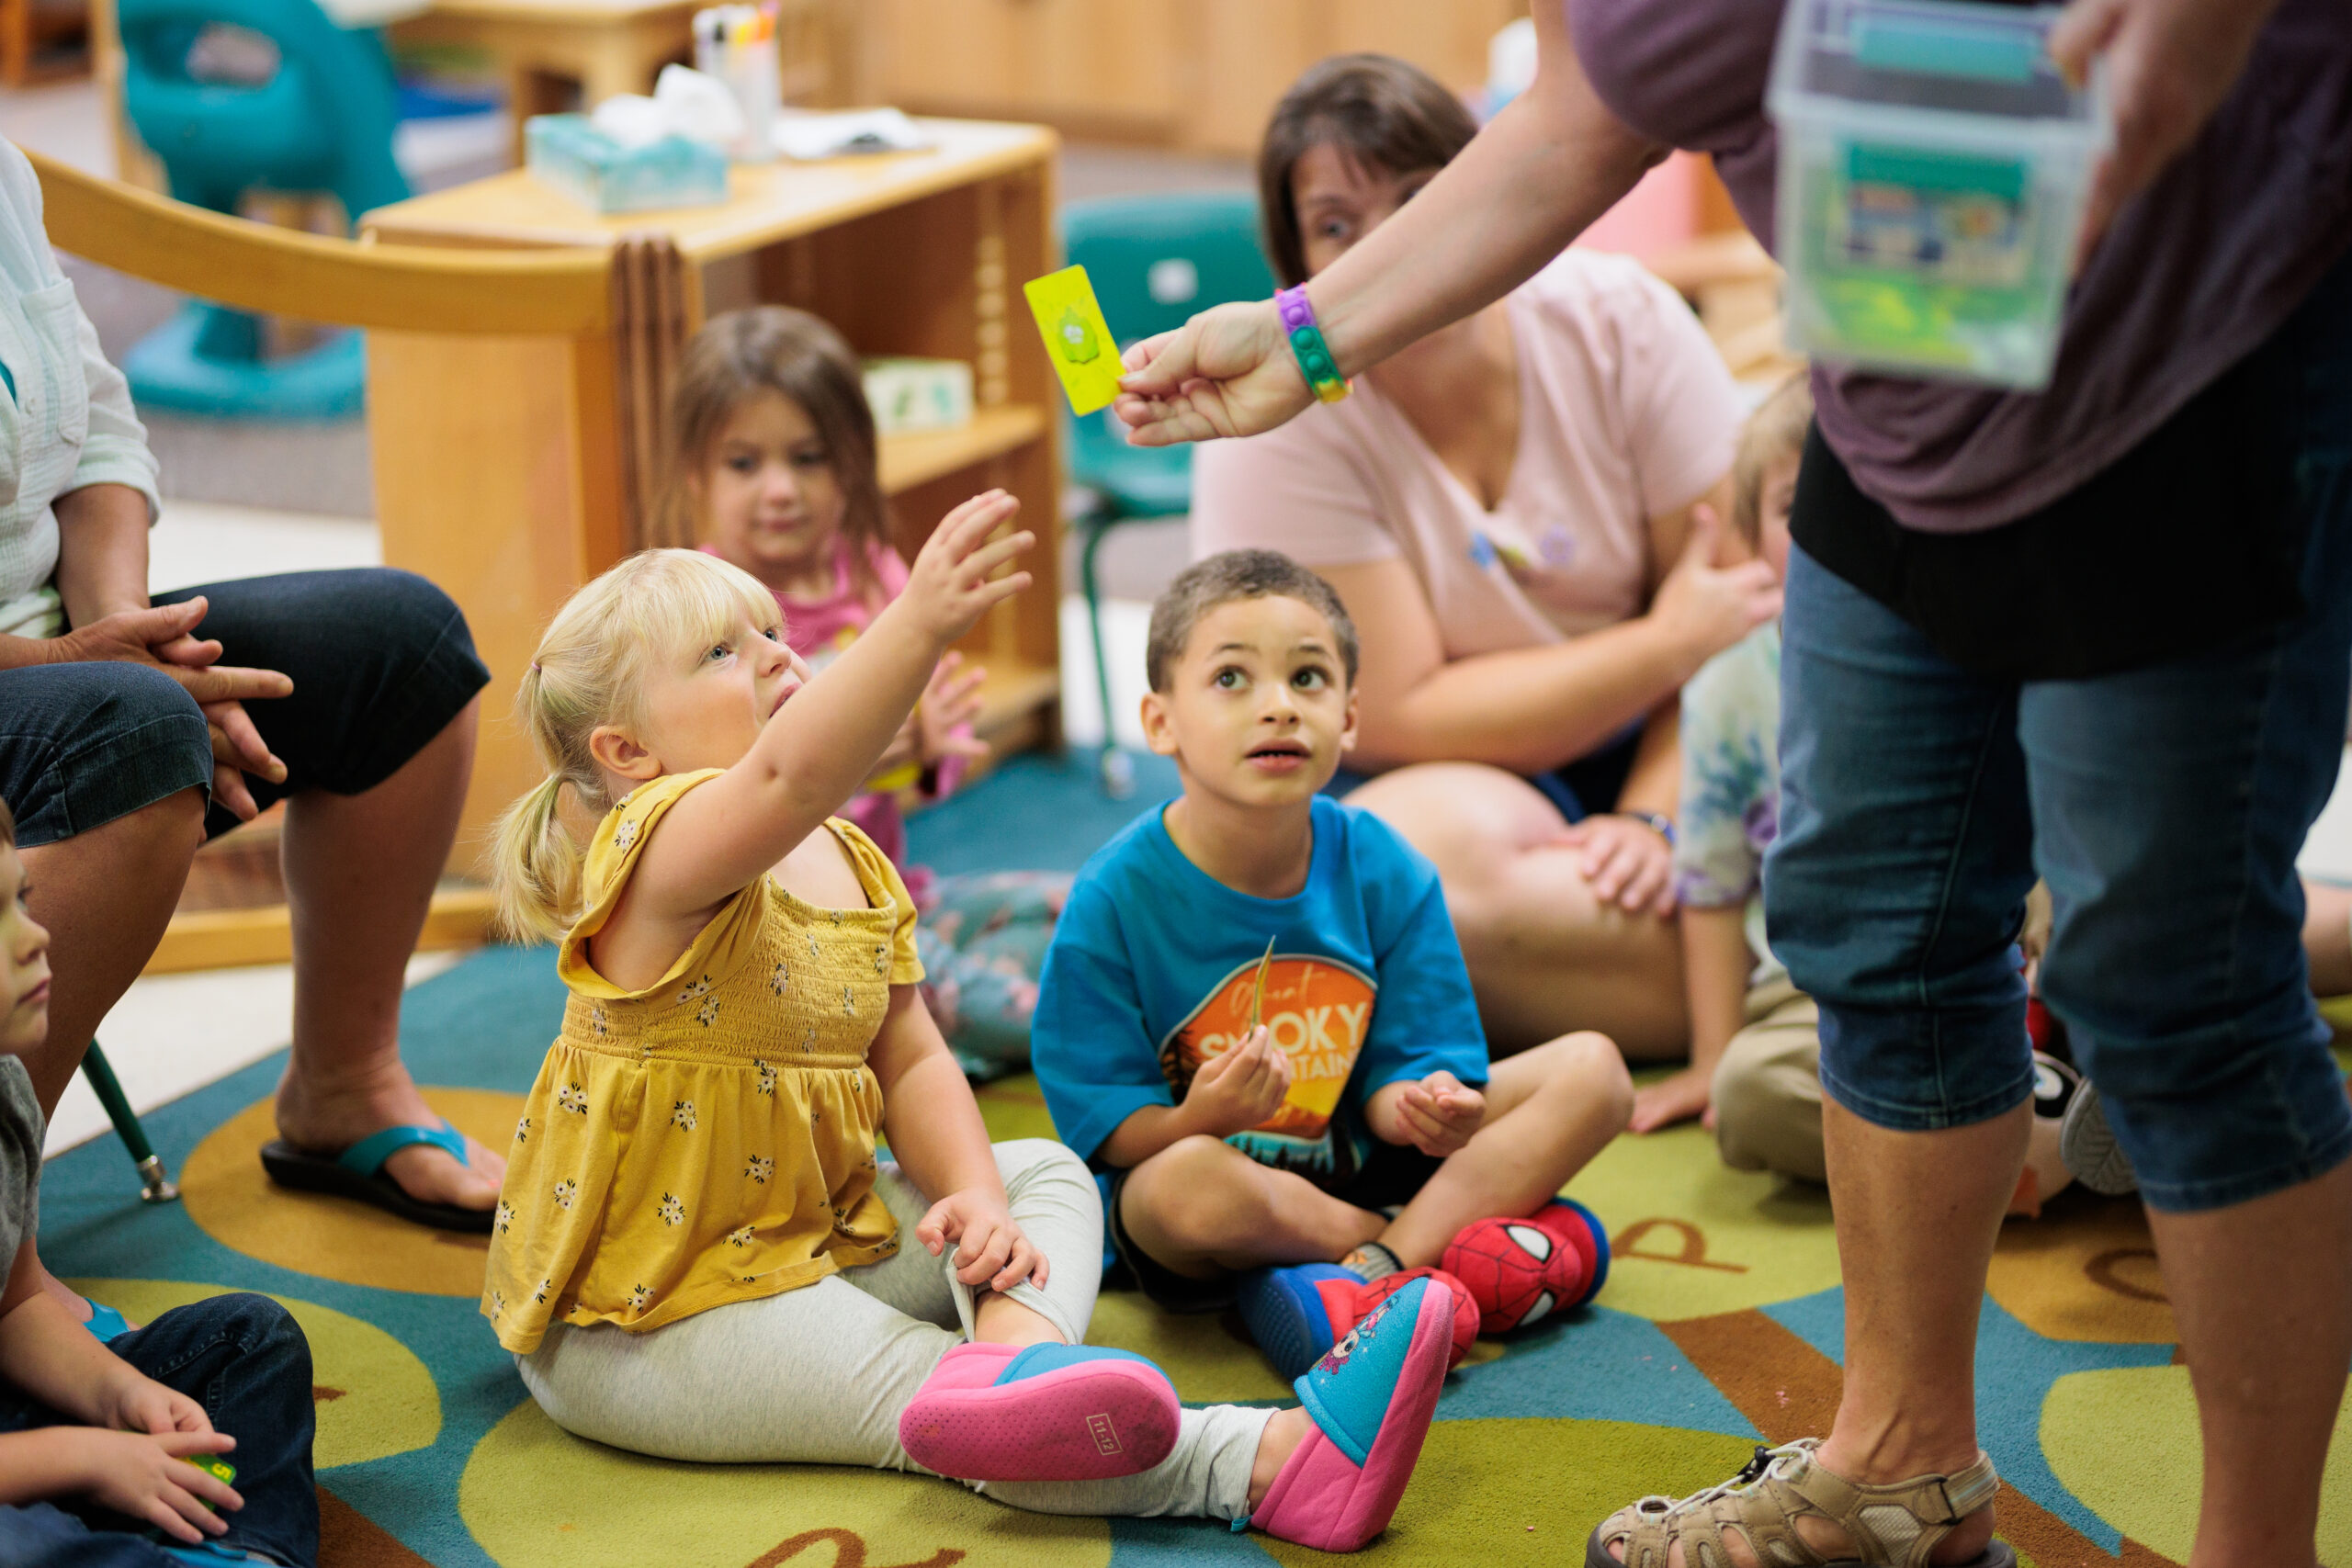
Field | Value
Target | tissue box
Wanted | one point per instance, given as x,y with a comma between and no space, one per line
919,394
568,153
1933,171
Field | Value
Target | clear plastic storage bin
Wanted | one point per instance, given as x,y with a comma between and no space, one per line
1933,171
570,153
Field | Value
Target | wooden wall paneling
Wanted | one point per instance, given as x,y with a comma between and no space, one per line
1449,41
1105,66
1242,56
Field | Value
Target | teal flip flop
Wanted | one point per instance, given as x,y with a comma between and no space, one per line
358,1173
106,1325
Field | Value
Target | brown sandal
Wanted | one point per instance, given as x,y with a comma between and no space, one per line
1890,1527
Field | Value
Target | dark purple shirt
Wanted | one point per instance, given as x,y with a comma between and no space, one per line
2195,272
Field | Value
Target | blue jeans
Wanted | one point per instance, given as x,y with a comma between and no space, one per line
381,661
2163,805
243,1360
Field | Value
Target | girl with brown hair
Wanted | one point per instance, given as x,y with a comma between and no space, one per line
773,466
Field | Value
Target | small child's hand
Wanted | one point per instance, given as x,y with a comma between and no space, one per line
951,702
148,1477
141,1405
1441,1113
949,587
1677,1099
992,1249
1239,1088
1626,861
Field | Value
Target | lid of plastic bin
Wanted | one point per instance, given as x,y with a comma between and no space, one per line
1938,55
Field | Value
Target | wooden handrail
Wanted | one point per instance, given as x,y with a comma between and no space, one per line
421,289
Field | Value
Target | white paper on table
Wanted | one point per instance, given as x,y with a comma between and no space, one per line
356,14
811,134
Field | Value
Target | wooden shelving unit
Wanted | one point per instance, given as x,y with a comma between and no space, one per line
909,462
510,471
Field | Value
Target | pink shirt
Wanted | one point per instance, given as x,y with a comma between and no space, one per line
1625,411
819,630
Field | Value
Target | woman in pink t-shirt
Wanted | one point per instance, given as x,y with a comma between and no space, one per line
1512,511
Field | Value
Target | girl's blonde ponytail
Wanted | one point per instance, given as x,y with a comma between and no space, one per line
588,673
536,866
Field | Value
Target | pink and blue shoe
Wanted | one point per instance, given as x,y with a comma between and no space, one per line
1040,1413
1297,1312
1371,1401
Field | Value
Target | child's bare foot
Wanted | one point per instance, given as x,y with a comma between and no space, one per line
328,1116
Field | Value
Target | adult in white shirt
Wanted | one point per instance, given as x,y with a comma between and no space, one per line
131,730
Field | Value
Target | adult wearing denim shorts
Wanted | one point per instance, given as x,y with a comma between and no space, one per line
2101,633
130,731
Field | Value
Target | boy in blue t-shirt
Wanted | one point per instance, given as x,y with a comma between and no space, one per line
1254,1016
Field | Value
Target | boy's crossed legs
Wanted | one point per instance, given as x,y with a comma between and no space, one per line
1202,1210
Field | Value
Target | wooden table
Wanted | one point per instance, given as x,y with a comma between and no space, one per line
562,55
552,51
509,470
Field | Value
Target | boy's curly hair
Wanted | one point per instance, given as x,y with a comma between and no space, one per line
1221,580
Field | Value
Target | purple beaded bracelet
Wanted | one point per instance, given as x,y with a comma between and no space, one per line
1315,361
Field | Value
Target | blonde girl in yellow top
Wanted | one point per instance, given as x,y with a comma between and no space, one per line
697,1254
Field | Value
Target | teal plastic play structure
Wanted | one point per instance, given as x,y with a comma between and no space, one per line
323,122
1155,261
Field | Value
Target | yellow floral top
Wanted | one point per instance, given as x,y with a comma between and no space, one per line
709,1138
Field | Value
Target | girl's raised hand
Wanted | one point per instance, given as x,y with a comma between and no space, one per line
950,586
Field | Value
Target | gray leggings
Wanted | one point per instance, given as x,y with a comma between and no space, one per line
819,1375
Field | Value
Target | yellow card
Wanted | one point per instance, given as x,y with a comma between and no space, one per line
1258,1001
1078,340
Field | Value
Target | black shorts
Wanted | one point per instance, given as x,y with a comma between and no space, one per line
381,661
1390,1176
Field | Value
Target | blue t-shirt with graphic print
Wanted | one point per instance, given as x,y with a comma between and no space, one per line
1153,971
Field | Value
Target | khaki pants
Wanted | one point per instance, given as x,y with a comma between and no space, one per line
1768,1087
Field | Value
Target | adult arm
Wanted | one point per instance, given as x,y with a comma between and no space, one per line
1527,709
1550,164
102,577
938,1138
2170,63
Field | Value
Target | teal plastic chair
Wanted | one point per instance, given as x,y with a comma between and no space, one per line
155,1182
1155,261
322,123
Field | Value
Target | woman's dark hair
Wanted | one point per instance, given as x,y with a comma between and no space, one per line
1377,110
774,348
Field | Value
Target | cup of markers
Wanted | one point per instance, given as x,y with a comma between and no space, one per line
736,44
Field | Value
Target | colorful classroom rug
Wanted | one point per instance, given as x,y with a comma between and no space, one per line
1719,1329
